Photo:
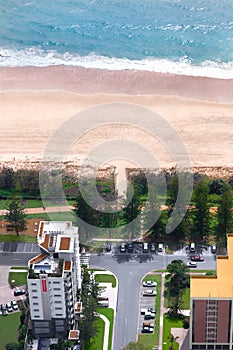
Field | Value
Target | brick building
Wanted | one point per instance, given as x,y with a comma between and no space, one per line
211,324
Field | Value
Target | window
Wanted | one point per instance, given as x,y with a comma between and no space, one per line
34,290
57,295
36,316
58,314
58,308
34,297
56,282
57,301
35,303
36,310
56,288
33,284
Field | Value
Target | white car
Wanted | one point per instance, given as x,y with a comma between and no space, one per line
149,293
192,264
149,284
14,305
9,307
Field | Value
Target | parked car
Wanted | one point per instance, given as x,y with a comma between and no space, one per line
18,292
150,309
192,264
147,330
145,247
4,310
152,247
103,303
14,305
108,246
147,324
197,258
149,284
149,315
9,307
192,247
213,249
160,247
149,293
122,247
102,298
130,247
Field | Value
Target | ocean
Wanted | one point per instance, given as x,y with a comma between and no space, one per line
175,36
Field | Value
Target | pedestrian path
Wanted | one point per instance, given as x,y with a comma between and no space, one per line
112,294
106,331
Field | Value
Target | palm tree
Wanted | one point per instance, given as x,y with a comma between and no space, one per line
172,339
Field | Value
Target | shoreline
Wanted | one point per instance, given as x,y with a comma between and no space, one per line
130,82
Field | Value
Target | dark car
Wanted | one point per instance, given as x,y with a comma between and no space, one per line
123,247
213,249
130,247
4,310
197,258
108,246
18,292
147,330
152,247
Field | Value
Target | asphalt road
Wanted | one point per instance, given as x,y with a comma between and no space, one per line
130,269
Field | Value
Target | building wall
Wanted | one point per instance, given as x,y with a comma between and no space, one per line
199,324
211,324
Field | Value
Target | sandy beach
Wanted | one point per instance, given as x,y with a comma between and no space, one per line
35,102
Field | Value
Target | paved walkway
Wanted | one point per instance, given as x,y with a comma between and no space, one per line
177,332
57,209
106,331
112,293
163,310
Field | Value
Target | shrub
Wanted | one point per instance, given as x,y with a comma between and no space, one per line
186,323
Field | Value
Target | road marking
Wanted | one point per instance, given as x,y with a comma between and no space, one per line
16,259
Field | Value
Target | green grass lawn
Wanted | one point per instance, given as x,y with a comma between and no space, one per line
8,328
150,340
106,279
186,299
19,277
19,268
15,238
109,313
96,342
169,323
62,216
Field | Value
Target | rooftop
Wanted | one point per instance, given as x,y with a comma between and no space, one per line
219,286
64,243
74,334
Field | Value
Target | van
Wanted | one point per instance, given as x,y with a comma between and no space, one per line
192,247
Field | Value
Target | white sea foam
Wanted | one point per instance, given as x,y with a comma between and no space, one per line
39,58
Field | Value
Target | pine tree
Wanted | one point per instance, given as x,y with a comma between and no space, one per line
16,215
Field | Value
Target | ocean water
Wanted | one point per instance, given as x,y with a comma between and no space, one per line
176,36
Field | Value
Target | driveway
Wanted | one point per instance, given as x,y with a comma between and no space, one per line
6,293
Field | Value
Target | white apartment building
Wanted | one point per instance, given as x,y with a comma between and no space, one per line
53,280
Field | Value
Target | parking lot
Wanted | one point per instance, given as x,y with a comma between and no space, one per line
145,302
19,247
